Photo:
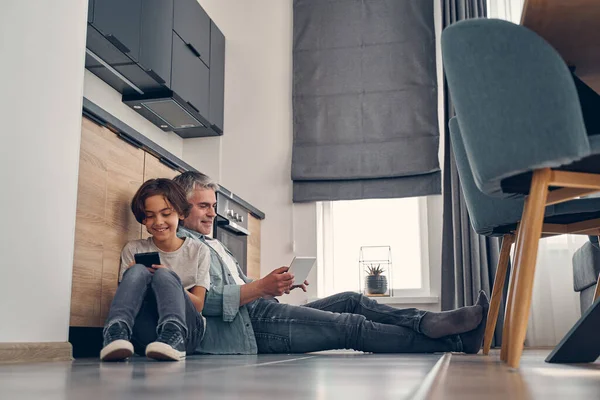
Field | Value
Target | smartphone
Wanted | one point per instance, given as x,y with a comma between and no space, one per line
301,267
147,259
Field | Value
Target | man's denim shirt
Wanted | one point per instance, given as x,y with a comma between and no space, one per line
228,326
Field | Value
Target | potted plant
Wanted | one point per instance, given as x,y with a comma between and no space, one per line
375,282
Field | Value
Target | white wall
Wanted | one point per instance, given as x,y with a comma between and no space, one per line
253,158
43,48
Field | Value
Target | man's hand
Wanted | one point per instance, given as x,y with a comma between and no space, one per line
278,282
303,287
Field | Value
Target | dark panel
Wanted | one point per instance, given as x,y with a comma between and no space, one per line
103,48
119,21
91,11
111,79
189,76
193,25
156,38
217,77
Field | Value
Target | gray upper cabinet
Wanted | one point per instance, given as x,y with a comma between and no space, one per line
189,77
119,22
217,77
192,24
156,43
160,51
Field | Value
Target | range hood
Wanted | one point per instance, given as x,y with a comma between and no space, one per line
170,112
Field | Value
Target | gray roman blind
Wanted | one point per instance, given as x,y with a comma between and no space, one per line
364,100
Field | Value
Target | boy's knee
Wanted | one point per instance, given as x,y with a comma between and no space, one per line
165,274
137,271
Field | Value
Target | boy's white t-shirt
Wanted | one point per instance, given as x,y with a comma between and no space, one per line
191,262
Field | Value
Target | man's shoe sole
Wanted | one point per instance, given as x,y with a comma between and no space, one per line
116,351
163,352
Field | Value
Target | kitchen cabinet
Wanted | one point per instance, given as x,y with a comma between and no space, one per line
253,258
161,50
119,22
155,41
110,172
217,78
190,77
192,24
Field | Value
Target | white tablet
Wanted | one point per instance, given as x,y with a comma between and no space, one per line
301,267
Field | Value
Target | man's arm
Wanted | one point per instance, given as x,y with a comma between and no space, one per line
276,283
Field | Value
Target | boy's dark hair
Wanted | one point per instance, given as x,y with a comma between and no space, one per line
170,190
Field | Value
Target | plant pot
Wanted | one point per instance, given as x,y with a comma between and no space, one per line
376,284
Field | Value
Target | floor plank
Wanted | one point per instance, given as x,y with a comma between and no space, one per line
307,376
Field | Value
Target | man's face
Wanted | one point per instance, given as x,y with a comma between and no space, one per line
203,212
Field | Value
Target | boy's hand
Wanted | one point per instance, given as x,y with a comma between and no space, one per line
155,267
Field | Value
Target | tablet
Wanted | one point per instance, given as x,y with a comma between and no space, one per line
301,267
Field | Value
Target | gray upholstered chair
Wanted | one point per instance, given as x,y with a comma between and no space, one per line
524,134
492,216
586,272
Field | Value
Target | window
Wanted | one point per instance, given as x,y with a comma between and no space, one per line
344,226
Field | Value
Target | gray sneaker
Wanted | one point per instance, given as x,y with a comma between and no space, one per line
117,346
170,344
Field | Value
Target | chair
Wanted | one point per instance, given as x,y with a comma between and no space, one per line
491,216
524,135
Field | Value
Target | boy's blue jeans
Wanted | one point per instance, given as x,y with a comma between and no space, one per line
146,301
343,321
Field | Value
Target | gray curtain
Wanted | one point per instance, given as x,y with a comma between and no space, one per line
469,260
364,100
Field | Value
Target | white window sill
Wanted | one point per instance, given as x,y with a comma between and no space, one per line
407,300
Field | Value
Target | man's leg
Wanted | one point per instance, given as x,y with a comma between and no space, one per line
432,324
282,328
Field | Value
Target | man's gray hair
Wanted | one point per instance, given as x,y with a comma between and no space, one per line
191,180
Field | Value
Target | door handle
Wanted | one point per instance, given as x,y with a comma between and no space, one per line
193,49
155,76
117,43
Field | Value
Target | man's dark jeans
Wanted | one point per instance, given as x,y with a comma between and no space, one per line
343,321
146,311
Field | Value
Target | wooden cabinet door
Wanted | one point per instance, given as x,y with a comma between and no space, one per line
253,259
153,169
110,172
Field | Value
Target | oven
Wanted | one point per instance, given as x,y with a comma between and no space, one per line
231,228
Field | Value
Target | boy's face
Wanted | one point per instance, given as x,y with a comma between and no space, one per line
161,219
203,212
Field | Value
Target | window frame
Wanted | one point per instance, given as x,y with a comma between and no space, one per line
325,254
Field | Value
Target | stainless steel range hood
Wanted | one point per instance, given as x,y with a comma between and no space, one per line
170,112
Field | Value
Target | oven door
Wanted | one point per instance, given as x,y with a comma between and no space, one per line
236,243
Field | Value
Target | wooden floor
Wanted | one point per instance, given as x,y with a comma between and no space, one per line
329,375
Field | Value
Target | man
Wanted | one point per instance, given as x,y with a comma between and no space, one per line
243,317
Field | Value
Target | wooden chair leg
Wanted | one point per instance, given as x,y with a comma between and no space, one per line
529,237
509,299
496,298
597,292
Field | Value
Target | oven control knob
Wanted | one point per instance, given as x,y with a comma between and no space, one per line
241,218
236,217
230,213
